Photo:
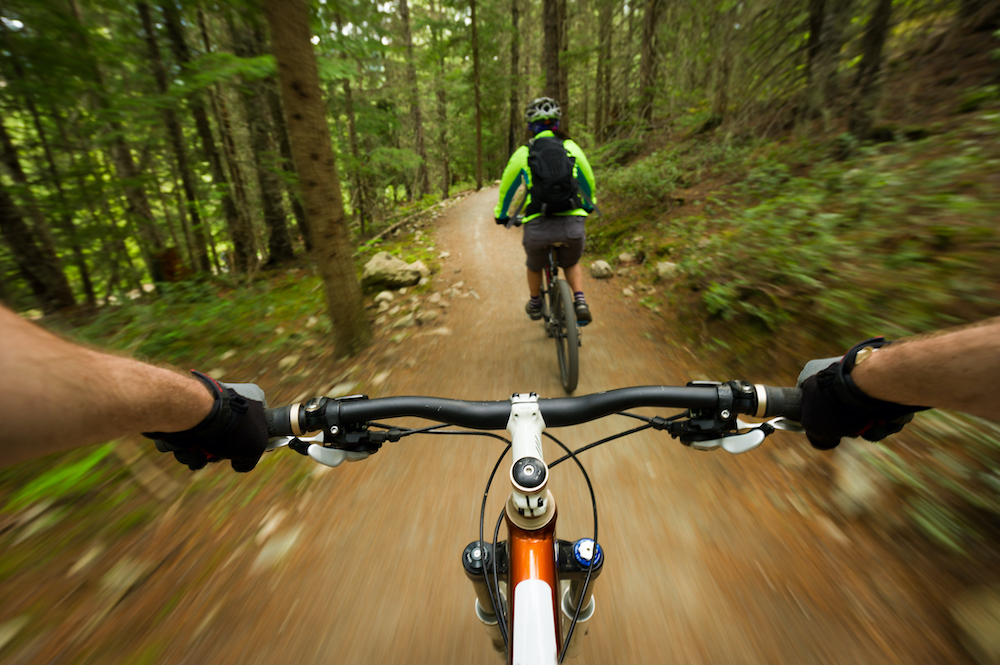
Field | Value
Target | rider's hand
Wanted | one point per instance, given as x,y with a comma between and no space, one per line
834,407
234,429
501,220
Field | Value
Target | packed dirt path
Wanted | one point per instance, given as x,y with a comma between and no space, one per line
702,567
710,558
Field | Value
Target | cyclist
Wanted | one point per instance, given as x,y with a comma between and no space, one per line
560,186
57,395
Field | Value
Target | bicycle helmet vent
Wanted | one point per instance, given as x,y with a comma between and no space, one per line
543,108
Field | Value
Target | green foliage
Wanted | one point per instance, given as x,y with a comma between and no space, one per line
617,152
828,244
975,98
194,321
846,239
219,67
63,480
649,181
960,471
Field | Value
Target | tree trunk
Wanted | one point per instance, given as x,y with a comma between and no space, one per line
210,151
980,14
603,69
826,37
138,208
362,204
817,14
550,49
516,129
65,217
84,192
181,211
287,165
647,59
723,65
244,255
176,134
45,277
475,86
867,85
442,112
317,167
563,96
423,182
259,124
40,231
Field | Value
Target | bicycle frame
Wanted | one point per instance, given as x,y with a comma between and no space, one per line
534,618
548,581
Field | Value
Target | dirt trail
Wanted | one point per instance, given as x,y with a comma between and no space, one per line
710,558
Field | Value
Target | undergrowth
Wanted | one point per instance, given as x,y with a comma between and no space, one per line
821,241
895,239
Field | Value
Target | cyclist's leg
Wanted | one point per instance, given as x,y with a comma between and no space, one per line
536,257
569,260
574,275
534,283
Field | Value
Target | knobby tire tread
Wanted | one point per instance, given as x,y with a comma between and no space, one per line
568,341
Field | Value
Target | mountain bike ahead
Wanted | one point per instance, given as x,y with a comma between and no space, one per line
559,316
533,590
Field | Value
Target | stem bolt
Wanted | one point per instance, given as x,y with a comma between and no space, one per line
725,414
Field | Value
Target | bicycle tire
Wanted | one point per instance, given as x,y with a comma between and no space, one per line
567,336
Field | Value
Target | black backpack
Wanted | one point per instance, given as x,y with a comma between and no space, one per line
553,186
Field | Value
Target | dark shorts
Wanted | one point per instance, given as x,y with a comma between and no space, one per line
541,232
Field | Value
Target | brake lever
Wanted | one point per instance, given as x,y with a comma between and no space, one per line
741,442
780,422
736,443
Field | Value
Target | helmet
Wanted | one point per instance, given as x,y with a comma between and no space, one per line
543,108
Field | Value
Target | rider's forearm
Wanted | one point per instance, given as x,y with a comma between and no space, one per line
954,369
57,395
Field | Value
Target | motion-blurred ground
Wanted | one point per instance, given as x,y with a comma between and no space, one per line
710,558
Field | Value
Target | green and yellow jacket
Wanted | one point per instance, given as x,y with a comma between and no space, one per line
517,172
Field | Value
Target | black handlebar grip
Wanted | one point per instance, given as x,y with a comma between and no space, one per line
279,421
785,402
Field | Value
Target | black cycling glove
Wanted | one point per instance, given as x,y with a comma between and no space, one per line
501,220
234,429
834,407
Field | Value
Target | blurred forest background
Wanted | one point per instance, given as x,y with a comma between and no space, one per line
809,171
147,143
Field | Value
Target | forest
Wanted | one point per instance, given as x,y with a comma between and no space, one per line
148,143
200,183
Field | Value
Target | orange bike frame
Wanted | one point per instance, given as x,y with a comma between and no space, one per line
532,556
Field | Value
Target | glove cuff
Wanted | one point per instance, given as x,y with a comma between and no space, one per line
216,419
849,392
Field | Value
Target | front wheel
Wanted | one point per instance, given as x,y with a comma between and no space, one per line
567,336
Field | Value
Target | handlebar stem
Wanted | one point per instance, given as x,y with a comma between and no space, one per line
529,505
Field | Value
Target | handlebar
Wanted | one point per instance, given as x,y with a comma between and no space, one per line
707,402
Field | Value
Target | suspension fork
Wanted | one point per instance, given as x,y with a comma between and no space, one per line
533,559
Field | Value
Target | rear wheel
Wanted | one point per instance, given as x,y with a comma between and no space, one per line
567,336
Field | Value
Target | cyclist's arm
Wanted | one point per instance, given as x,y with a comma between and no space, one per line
56,395
513,175
952,369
